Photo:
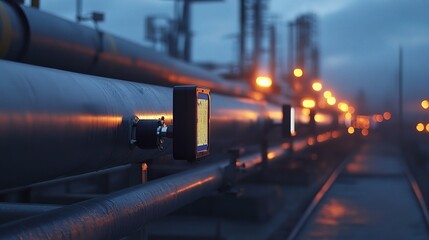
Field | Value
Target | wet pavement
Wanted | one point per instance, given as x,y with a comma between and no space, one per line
371,199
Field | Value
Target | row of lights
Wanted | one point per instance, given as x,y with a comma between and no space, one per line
330,99
381,117
364,132
266,82
344,107
376,118
420,127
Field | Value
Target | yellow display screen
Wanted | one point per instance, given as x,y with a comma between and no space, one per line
202,122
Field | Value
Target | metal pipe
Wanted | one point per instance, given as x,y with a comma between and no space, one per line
35,37
46,114
55,123
14,211
65,180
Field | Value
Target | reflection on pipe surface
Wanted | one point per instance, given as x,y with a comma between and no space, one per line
82,121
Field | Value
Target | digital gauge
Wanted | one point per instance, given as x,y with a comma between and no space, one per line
191,121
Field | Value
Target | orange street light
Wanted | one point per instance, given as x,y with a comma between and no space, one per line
420,127
344,107
348,116
331,101
317,86
425,104
351,130
297,72
327,94
387,115
427,127
264,81
308,103
319,118
377,118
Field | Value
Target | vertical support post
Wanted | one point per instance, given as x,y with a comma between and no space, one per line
273,55
291,63
312,123
78,10
138,175
400,110
257,36
264,143
186,29
291,47
243,35
291,149
35,4
288,126
231,170
264,152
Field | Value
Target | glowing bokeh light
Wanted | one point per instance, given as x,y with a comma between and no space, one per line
344,107
317,86
331,101
308,103
351,130
365,132
425,104
297,72
327,94
420,127
387,115
348,115
378,118
264,81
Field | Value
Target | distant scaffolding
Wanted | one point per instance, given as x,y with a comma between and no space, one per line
303,53
252,25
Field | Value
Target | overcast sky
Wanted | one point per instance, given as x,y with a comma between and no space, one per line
359,39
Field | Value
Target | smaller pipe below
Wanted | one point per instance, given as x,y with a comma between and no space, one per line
14,211
121,213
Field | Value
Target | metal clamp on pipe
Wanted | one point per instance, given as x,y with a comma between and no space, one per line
191,115
149,134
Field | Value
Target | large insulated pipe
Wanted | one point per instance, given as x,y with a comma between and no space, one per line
31,36
13,211
55,123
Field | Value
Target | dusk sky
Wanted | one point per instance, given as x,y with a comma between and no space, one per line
359,39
